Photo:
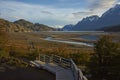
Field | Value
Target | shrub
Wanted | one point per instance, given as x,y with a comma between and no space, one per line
104,63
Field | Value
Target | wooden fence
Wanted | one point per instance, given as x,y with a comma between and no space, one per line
65,63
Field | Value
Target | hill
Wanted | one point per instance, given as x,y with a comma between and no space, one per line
33,27
23,26
11,27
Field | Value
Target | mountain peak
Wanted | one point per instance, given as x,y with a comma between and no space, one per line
117,6
22,20
68,27
110,18
112,11
91,18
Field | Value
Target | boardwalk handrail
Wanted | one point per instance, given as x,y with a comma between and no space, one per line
77,73
65,63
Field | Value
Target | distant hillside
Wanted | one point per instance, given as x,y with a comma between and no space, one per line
33,27
11,27
23,26
111,28
24,23
109,18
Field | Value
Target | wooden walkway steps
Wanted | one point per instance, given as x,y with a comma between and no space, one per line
64,69
61,73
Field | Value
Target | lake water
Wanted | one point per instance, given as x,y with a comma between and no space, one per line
69,42
90,37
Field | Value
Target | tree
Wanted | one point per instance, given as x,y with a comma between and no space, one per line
105,62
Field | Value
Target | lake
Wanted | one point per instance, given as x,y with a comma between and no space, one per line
69,42
90,37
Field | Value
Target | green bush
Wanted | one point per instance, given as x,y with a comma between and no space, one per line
3,53
80,58
105,63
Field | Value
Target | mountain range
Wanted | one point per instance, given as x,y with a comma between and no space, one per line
23,26
115,28
108,19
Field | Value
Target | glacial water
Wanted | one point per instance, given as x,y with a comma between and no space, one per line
69,42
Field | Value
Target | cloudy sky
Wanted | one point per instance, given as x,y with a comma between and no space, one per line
56,13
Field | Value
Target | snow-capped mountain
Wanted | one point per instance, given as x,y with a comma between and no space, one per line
115,10
109,18
68,27
90,18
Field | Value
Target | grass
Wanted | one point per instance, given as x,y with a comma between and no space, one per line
20,46
21,43
29,45
23,39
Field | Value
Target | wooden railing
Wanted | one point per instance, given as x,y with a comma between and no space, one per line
65,63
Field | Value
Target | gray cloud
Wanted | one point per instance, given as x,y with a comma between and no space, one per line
101,4
47,12
12,10
98,7
83,13
51,15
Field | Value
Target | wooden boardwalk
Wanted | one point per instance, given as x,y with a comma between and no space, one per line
64,69
61,73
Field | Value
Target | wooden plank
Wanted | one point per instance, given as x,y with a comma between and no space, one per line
60,72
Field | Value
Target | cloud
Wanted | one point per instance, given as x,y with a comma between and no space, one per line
105,3
94,7
71,12
58,26
47,12
100,6
13,10
82,13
